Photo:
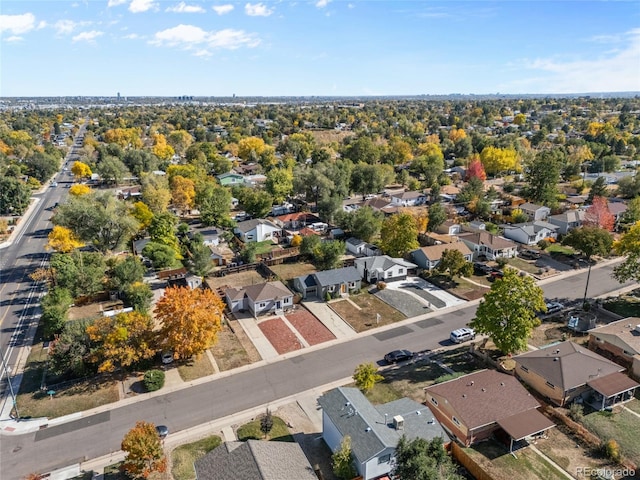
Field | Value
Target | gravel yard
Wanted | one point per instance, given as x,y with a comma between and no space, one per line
279,335
403,302
311,329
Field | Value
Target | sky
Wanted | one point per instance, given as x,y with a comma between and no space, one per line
318,47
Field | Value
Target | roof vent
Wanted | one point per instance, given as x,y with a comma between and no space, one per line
464,395
368,429
637,329
555,359
557,351
418,412
502,384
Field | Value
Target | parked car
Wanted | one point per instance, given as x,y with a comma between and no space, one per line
480,268
398,356
163,431
167,357
529,254
462,335
554,307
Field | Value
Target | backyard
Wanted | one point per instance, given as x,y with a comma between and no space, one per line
622,426
361,310
287,271
240,279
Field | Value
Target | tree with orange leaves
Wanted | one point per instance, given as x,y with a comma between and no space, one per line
476,169
599,215
191,320
144,451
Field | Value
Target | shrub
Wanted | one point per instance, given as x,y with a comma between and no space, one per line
153,380
543,244
576,412
327,296
381,285
501,261
612,450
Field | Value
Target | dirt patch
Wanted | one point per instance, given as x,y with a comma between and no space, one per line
365,318
311,329
93,310
252,353
229,352
240,279
280,335
287,271
554,331
326,137
459,287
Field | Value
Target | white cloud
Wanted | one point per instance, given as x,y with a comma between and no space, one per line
190,37
612,71
184,8
131,36
115,3
13,38
41,25
139,6
222,9
322,3
87,36
17,24
64,27
257,10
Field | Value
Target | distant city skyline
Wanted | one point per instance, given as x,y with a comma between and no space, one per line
317,48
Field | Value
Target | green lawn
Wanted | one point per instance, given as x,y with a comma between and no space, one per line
251,430
627,306
185,455
633,405
622,427
264,247
523,265
558,248
460,360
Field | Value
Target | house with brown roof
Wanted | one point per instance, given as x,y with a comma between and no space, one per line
483,243
259,299
619,341
474,407
566,372
429,257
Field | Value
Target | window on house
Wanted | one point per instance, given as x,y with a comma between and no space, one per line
331,288
384,458
549,384
286,300
627,353
352,284
434,401
455,420
400,271
262,305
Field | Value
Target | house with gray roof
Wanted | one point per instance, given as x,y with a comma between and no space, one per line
383,268
255,460
530,233
485,244
535,212
565,371
336,282
408,199
257,230
259,299
619,341
374,430
567,221
359,247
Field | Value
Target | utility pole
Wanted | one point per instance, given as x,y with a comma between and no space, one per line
12,393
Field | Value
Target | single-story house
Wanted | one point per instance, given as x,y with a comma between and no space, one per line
127,193
383,267
296,221
255,460
374,430
381,205
172,274
259,299
567,372
336,282
530,233
210,236
257,230
567,221
474,407
429,257
221,254
619,341
535,212
255,180
359,247
408,199
230,178
449,227
483,243
617,209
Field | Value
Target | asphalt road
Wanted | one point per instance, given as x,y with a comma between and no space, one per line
91,437
19,296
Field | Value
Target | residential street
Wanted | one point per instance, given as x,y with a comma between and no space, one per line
99,434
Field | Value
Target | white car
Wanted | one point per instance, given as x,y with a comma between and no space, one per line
462,335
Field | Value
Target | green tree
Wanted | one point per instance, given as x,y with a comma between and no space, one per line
112,170
437,216
214,203
341,460
256,203
364,223
598,189
543,176
199,259
161,255
399,235
14,196
279,183
366,178
507,313
248,252
139,295
82,273
366,376
421,459
41,165
632,215
126,272
55,305
590,241
70,353
453,263
628,245
163,230
144,453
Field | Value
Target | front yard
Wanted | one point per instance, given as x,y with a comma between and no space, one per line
460,287
362,316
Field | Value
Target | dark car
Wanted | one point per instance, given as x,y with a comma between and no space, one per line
529,254
398,356
480,268
162,430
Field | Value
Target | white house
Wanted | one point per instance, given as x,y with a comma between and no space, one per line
567,221
383,267
485,244
259,299
374,430
257,230
359,247
408,199
530,233
535,212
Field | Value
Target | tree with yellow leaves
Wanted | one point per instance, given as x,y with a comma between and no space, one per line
80,170
251,144
123,340
456,134
143,214
145,455
183,193
61,239
79,189
161,149
190,320
125,137
496,160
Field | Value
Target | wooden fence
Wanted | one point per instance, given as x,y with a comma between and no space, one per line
469,463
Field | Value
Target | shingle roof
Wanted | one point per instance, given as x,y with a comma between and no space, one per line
354,415
408,195
569,216
484,397
355,241
567,365
621,334
255,460
249,225
336,276
383,262
612,384
434,252
259,292
486,238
